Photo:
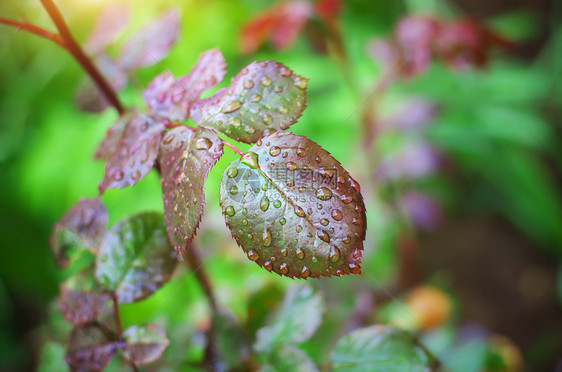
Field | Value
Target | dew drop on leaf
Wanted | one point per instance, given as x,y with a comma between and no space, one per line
337,214
229,210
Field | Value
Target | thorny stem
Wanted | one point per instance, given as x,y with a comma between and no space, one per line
35,30
118,328
77,52
233,148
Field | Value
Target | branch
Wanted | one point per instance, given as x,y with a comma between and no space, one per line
233,148
194,262
35,30
77,52
118,328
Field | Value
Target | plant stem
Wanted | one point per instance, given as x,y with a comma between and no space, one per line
77,52
194,261
35,30
118,328
233,148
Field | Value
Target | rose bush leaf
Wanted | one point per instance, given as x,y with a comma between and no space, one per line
379,348
186,157
90,348
110,24
80,229
145,344
264,96
289,358
80,300
135,258
294,209
135,153
113,135
172,98
296,320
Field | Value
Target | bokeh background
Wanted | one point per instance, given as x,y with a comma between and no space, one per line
462,178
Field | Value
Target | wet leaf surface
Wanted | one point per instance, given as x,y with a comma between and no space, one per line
296,320
186,157
135,153
151,43
113,135
81,300
264,96
81,228
294,209
90,348
172,98
145,344
378,348
135,258
289,358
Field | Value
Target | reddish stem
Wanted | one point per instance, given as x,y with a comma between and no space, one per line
233,148
118,328
35,30
77,52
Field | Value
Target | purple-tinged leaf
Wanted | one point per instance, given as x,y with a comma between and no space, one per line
172,98
90,348
151,43
145,344
294,209
135,154
135,258
109,144
110,24
264,96
80,301
186,157
81,228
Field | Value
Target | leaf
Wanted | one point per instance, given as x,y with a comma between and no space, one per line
145,344
378,348
135,258
232,344
109,144
289,358
264,96
296,320
90,348
152,43
80,300
138,149
261,304
110,24
294,209
52,358
172,98
80,229
186,157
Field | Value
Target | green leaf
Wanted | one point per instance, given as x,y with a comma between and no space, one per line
52,358
186,157
135,258
80,229
294,209
145,344
261,304
379,349
289,358
80,300
137,150
232,343
297,319
90,348
264,96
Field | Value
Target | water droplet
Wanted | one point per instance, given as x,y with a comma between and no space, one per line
290,182
356,253
264,204
284,251
235,122
283,110
277,203
265,81
324,222
268,265
323,235
337,214
285,72
229,210
301,82
244,211
283,269
266,238
354,268
301,152
335,254
356,221
354,185
285,154
248,84
314,259
291,165
299,228
282,221
255,98
118,176
245,222
305,273
234,190
346,198
231,107
299,211
358,209
324,193
267,119
232,172
299,253
253,255
203,143
136,175
274,151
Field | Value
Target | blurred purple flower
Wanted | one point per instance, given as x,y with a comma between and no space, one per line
416,160
423,211
416,112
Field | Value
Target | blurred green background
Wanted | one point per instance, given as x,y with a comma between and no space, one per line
497,248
